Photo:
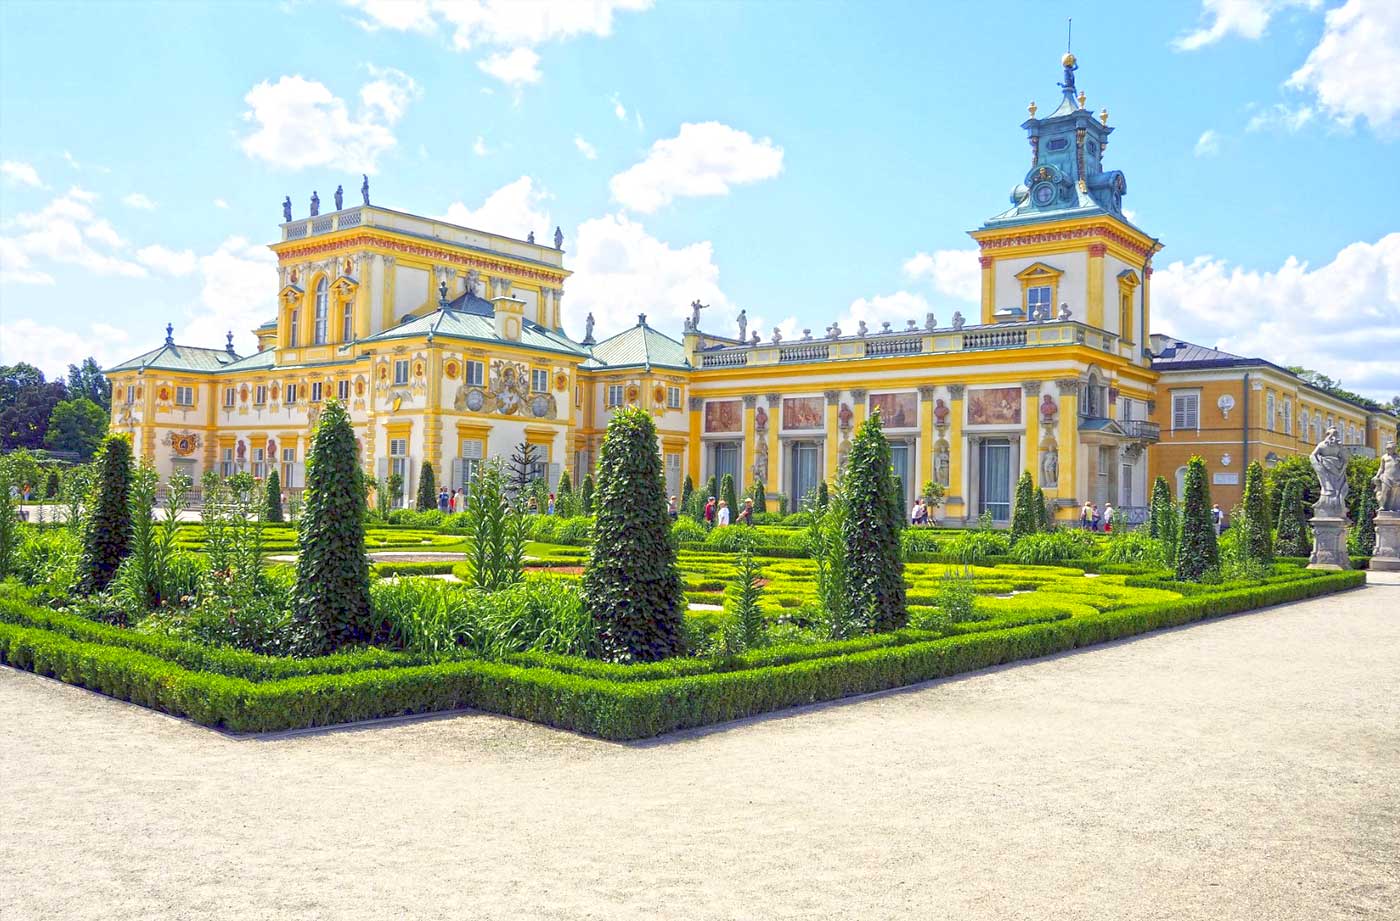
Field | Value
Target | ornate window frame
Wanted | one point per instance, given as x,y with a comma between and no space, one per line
1039,275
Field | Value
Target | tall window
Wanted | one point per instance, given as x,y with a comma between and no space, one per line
1271,411
398,461
476,373
614,395
226,462
130,395
1037,300
184,396
260,394
401,371
316,392
1186,410
673,398
290,391
347,323
342,390
1125,315
323,310
229,396
1287,417
259,463
539,381
292,334
289,460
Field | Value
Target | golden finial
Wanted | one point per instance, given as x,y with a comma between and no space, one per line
1068,60
1031,108
1103,117
1082,97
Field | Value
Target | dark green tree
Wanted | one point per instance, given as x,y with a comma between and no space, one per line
631,586
1365,531
77,426
1292,537
427,489
712,489
521,472
9,521
272,505
687,490
51,484
1160,507
1258,535
823,495
1294,469
107,537
1360,471
331,597
586,494
87,381
727,494
1042,507
870,532
760,498
1198,553
1024,517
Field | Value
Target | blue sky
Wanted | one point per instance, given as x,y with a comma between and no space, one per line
805,162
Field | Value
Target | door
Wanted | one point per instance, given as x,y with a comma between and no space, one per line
805,464
724,458
994,478
901,455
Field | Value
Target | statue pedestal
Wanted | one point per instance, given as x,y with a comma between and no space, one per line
1329,544
1386,557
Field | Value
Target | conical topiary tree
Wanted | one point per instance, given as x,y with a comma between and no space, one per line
631,586
272,501
823,495
760,498
1160,507
1024,517
107,537
687,490
1365,530
1042,507
51,485
727,494
331,598
1258,536
586,494
711,489
1292,537
1197,553
870,532
427,489
521,472
564,504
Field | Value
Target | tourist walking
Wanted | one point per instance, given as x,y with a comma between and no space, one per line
722,517
710,511
672,509
1086,515
1217,518
443,499
746,513
1108,517
551,503
1096,517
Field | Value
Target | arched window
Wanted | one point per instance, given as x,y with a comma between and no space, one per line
1180,481
347,323
323,310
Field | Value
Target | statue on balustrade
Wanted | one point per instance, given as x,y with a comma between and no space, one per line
958,320
743,320
315,203
287,209
364,187
339,197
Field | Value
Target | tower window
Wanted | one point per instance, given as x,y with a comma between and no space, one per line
1038,300
1059,143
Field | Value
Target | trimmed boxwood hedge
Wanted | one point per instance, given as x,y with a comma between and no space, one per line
242,692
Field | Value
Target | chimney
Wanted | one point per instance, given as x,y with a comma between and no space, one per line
510,315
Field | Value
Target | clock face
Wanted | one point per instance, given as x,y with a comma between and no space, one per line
1043,193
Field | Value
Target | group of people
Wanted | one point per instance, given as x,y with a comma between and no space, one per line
453,501
921,513
717,514
1092,519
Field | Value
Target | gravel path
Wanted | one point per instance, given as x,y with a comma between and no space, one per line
1245,768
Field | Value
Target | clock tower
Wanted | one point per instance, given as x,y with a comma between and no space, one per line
1064,248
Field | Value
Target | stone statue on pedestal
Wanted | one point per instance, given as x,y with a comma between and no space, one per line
287,209
1386,554
588,329
1329,523
1387,482
315,204
339,197
743,320
364,187
958,320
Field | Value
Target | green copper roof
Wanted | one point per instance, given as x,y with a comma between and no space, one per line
459,324
258,361
640,345
172,357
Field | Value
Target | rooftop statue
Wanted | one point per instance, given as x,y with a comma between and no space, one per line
743,320
530,238
364,187
755,339
1387,482
1065,313
588,328
1329,459
958,320
862,329
777,335
695,308
287,209
930,321
558,238
315,204
339,197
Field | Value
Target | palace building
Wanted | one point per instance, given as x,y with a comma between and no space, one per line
447,346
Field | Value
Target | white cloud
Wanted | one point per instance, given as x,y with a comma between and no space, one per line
300,123
1281,117
479,146
588,150
513,68
513,210
703,159
139,201
169,261
16,267
952,272
619,109
220,203
69,159
1245,18
1208,144
1342,318
620,270
21,173
52,349
508,23
1354,72
64,231
238,292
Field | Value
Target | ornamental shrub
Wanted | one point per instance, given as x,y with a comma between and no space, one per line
1055,547
565,502
760,498
687,490
1258,536
1296,469
273,507
823,495
1292,539
427,489
1197,553
1042,507
332,584
497,531
1024,518
745,627
1364,534
9,523
51,485
870,532
107,536
1159,508
631,586
586,503
728,495
711,489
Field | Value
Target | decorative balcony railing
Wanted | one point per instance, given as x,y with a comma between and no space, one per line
427,228
816,351
994,339
901,345
729,358
1142,430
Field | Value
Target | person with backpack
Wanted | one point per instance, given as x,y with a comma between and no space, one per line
710,511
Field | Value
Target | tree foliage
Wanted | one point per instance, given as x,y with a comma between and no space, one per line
427,489
77,426
495,530
760,498
586,495
521,472
871,532
745,627
1364,531
107,537
272,505
728,495
687,490
1024,517
86,381
332,588
1296,469
1258,534
631,586
1292,539
1198,553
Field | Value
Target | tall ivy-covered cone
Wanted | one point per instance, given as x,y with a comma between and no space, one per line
1198,552
586,494
427,489
870,532
1259,544
332,589
1044,519
760,498
1366,523
1024,518
631,587
687,490
107,537
1292,537
272,497
729,496
712,489
1160,508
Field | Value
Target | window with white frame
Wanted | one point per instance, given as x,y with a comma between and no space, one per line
1038,300
673,398
1105,460
290,392
342,390
226,462
398,462
1271,411
615,395
1186,409
323,311
260,394
259,463
1303,422
476,373
184,396
401,371
130,394
292,326
673,475
289,462
347,323
472,454
316,388
539,381
230,396
1287,417
578,394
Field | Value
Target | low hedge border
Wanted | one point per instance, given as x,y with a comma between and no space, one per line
618,710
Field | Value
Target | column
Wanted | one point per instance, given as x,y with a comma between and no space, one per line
749,452
989,280
1068,438
924,468
696,406
833,433
974,469
958,488
1031,389
363,306
386,270
1145,322
858,406
1094,311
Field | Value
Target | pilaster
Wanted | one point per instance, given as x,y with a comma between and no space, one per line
1030,413
957,460
927,438
833,433
1094,311
773,484
858,406
695,406
989,281
749,448
1067,436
